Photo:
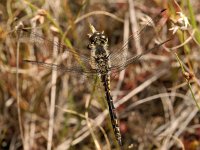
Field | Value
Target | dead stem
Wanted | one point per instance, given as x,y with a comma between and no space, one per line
18,96
53,99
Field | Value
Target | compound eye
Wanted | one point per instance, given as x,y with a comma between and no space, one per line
93,40
104,39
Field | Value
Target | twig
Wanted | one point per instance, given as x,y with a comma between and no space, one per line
98,13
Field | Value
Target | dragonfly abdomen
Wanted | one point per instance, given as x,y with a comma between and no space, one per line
112,111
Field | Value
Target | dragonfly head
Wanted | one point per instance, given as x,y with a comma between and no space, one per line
97,39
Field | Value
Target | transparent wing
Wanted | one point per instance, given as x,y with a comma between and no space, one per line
120,58
62,67
70,59
136,58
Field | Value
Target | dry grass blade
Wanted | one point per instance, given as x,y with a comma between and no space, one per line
98,13
52,101
66,144
134,26
126,36
18,98
97,145
145,84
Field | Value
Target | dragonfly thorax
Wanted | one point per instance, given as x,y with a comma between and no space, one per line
98,44
102,63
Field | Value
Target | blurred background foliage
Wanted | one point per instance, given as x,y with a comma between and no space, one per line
156,98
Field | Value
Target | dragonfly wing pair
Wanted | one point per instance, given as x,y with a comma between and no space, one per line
81,62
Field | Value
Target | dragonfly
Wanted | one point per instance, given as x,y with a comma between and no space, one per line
101,61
